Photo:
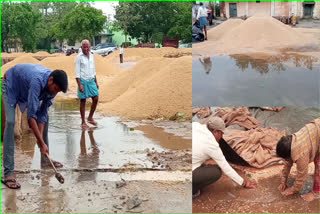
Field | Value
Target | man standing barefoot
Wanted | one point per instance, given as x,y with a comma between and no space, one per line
87,82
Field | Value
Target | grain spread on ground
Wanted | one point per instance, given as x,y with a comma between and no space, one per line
159,85
136,54
257,33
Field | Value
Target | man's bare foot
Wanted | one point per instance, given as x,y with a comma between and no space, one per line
10,182
310,196
84,126
92,121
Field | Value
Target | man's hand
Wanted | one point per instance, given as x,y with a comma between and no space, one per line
81,87
97,85
249,184
282,187
287,192
44,149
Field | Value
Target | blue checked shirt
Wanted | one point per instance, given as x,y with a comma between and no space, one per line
27,87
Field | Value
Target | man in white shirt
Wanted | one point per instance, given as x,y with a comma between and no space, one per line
205,149
87,82
202,18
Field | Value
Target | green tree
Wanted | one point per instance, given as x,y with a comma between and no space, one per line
182,19
52,14
150,20
124,17
5,25
82,22
20,23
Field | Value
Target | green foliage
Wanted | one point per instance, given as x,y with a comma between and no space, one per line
148,20
39,23
182,19
82,22
19,23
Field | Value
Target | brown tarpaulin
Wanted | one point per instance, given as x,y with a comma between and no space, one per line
201,112
256,146
236,115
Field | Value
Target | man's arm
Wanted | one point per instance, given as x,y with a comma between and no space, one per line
216,154
37,133
302,171
77,72
80,86
198,15
285,171
95,79
33,104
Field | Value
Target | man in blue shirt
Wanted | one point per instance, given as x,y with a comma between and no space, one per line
34,87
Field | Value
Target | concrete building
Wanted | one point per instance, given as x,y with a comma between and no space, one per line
302,9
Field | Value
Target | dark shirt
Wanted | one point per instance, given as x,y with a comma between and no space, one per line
27,87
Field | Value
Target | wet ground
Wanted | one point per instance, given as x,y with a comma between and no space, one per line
95,161
308,23
98,193
227,197
255,80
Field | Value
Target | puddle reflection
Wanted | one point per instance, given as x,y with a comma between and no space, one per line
110,145
256,80
88,157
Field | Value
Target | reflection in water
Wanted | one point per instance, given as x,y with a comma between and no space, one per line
10,201
88,160
50,202
256,80
274,63
207,64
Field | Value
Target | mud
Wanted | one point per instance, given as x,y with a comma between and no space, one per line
81,193
171,160
256,80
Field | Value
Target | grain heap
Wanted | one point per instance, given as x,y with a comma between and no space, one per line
257,33
156,88
136,54
25,58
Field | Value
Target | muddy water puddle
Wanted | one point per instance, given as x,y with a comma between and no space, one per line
166,140
112,144
256,80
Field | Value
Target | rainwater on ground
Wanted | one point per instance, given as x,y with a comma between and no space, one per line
94,161
255,80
